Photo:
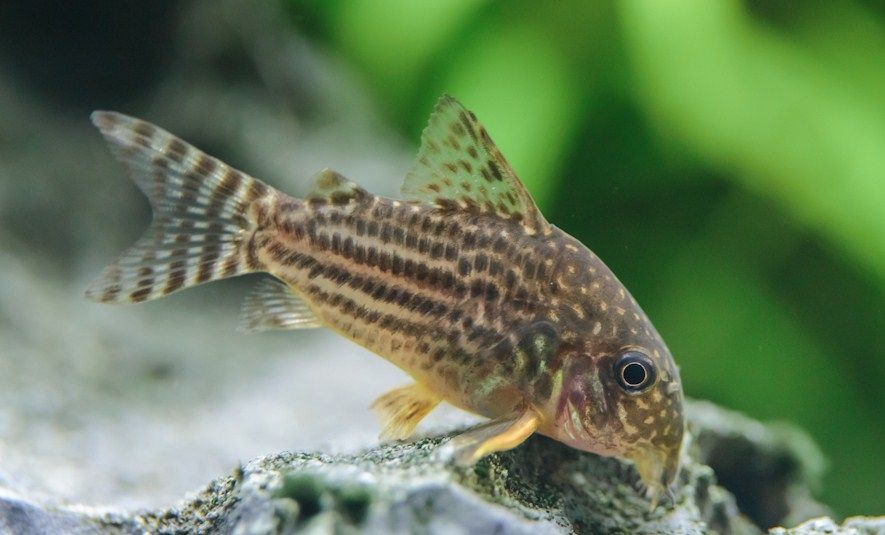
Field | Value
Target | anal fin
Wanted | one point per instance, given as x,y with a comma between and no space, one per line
402,408
498,435
273,305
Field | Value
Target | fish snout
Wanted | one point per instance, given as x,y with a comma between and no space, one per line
658,470
671,469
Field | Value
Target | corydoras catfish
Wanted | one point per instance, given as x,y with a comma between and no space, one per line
461,283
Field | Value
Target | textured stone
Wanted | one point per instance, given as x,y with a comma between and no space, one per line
540,487
857,525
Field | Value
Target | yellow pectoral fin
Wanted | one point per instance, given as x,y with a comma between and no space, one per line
498,435
401,409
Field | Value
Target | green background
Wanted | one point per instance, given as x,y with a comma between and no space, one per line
725,158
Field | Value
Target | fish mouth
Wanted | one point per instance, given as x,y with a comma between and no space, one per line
657,470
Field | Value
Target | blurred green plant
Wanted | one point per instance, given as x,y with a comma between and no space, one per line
726,159
786,120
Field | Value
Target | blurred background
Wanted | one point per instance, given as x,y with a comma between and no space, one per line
725,158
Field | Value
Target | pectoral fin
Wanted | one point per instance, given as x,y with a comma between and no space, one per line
402,408
498,435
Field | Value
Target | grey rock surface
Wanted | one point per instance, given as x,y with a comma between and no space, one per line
540,487
857,525
19,515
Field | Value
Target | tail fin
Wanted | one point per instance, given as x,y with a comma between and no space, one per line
200,219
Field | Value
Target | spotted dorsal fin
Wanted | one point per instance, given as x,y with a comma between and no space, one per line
459,167
273,306
332,186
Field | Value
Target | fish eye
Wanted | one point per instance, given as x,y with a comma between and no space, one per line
635,371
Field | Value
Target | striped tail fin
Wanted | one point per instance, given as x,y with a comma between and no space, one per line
201,215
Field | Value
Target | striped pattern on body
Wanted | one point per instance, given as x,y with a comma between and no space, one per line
430,289
444,290
433,289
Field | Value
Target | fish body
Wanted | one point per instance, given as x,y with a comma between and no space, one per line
462,284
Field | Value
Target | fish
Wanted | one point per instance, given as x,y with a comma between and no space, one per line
461,282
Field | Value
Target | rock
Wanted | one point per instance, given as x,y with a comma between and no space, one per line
771,469
21,515
857,525
540,487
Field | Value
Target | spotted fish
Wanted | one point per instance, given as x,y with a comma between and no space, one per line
462,283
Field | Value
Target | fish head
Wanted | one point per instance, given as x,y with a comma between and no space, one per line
620,394
625,403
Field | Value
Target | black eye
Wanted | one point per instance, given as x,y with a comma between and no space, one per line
635,371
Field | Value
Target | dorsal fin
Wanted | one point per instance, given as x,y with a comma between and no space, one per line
332,186
459,166
272,305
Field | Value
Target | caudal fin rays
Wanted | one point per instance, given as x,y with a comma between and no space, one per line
200,214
